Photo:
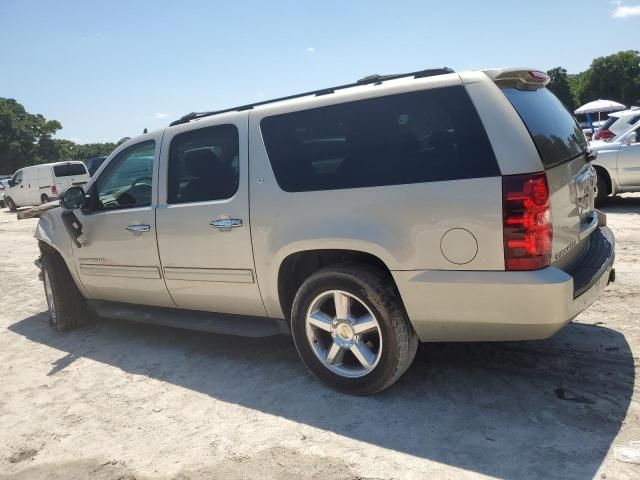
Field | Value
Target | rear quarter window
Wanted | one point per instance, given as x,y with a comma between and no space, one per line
69,170
425,136
554,130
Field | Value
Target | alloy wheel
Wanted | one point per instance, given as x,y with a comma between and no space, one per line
343,333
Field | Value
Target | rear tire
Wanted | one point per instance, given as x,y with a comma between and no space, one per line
602,192
67,306
371,348
10,205
44,199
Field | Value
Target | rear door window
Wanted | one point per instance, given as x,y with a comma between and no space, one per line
554,130
425,136
204,165
69,170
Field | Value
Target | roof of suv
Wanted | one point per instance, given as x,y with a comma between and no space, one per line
368,80
526,77
625,113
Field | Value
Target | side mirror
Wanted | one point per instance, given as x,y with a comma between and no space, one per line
72,198
631,138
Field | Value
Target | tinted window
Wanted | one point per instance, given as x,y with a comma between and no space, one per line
204,165
93,164
69,170
554,130
127,181
415,137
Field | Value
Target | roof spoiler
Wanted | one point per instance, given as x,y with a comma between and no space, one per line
520,78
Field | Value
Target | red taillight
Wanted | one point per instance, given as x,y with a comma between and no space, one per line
527,228
603,134
54,190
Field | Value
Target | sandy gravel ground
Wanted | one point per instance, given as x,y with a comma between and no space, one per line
117,400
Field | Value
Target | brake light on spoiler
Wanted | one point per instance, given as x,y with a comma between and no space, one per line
527,228
520,78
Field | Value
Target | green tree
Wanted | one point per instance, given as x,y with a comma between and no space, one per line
25,138
561,87
90,150
614,77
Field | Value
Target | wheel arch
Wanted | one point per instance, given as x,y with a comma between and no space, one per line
604,173
52,236
297,266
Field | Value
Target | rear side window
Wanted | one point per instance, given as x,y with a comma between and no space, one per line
424,136
69,170
204,165
554,130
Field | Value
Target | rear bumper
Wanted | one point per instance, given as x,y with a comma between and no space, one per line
446,306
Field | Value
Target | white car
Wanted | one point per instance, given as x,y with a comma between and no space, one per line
618,164
4,184
618,122
40,184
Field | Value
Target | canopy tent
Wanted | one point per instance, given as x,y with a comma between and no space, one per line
599,106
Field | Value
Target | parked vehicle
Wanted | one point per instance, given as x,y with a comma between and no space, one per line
361,219
586,128
43,183
93,164
4,184
617,123
618,164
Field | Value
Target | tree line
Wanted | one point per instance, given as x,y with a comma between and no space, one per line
27,138
614,77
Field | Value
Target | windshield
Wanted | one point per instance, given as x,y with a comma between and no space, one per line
554,130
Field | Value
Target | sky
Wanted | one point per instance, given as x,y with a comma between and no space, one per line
109,69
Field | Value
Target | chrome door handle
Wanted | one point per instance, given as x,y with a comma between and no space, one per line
138,228
226,223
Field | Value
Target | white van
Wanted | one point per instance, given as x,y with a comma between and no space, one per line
43,183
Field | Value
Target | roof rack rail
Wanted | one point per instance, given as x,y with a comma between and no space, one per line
370,79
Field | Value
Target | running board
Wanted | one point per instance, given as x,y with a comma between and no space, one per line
223,323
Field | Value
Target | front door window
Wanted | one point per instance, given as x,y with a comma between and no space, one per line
127,181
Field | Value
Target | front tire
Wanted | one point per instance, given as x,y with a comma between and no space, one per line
351,330
44,199
67,306
10,205
602,192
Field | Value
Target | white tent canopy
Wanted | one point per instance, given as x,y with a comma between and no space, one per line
600,106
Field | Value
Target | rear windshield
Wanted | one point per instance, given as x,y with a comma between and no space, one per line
623,124
555,131
69,170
